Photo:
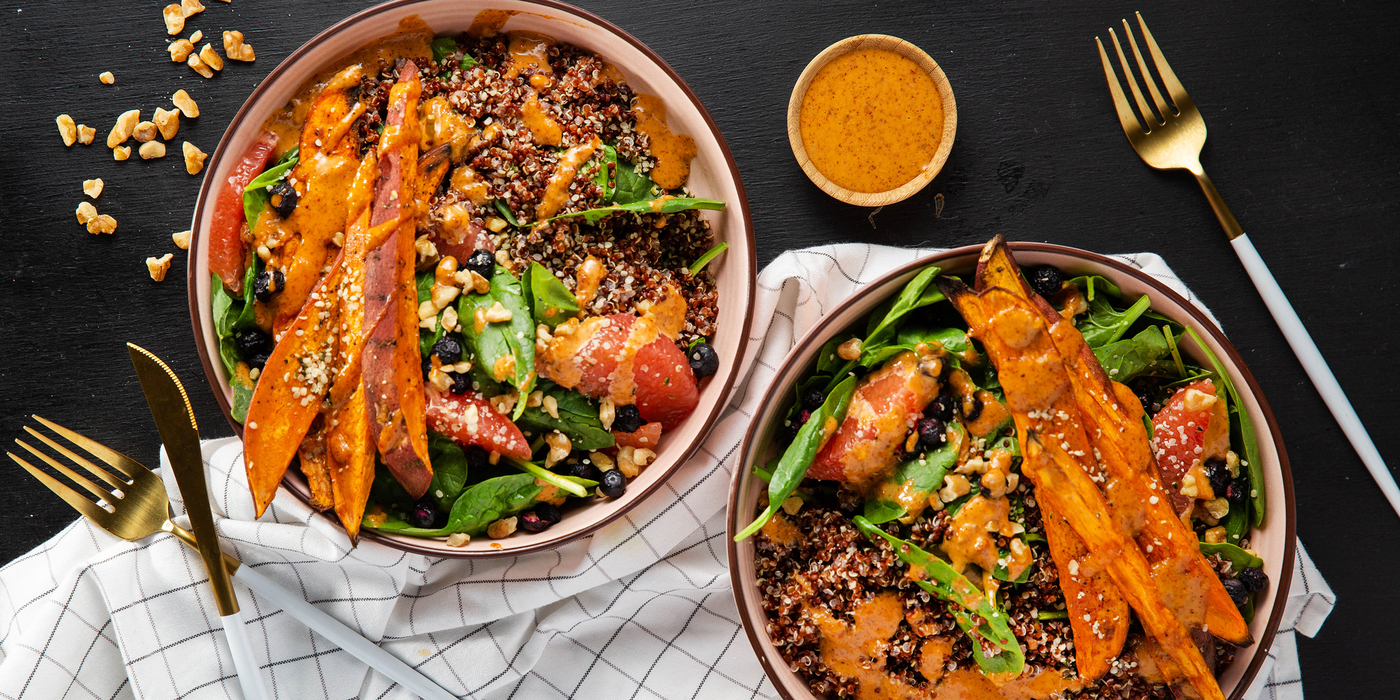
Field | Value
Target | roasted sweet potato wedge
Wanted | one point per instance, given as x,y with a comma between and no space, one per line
1112,419
312,457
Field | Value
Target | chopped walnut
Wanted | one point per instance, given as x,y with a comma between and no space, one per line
559,447
168,121
456,539
102,224
180,49
107,78
607,412
497,313
182,239
121,131
86,134
235,49
152,149
86,212
849,350
551,406
186,103
174,19
196,36
194,158
144,131
191,7
210,57
199,66
1215,535
158,266
67,129
501,528
93,188
121,152
602,461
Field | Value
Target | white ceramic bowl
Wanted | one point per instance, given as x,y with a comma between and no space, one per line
1274,541
713,174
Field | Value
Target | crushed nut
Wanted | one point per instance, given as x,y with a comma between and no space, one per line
456,539
535,398
121,131
792,505
168,121
849,350
1218,507
199,67
429,324
107,78
191,7
102,224
174,19
427,253
235,49
450,322
626,462
196,36
607,412
194,158
442,295
186,103
86,212
954,486
559,447
152,149
495,223
1232,462
158,266
497,313
439,379
182,239
86,134
67,129
338,239
121,152
1215,535
501,528
180,49
144,131
93,188
503,403
426,310
602,461
480,284
210,57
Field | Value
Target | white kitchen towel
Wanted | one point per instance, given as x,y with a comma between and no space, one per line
640,609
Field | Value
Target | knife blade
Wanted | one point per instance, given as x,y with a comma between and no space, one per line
179,432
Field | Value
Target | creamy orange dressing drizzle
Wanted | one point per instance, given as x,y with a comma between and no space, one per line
443,125
781,531
673,152
871,120
590,274
556,193
466,182
490,22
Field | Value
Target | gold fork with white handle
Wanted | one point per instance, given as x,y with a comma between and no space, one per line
1171,138
134,506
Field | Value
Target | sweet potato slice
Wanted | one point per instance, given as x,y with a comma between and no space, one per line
393,378
1098,614
312,457
1112,419
289,394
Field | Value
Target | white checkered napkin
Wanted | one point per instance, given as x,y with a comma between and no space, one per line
640,609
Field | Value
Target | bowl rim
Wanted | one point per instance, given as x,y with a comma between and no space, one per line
907,50
205,199
1201,321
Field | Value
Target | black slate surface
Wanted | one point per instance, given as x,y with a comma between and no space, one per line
1300,99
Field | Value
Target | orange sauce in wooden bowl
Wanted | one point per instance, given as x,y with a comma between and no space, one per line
871,120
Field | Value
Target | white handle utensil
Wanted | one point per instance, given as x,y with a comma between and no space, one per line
250,677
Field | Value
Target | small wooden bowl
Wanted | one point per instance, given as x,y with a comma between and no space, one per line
909,51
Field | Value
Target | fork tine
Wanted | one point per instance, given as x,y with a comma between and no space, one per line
1120,101
1174,86
123,463
1162,107
77,478
1148,118
75,499
85,464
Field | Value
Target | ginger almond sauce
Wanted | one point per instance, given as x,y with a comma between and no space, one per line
871,120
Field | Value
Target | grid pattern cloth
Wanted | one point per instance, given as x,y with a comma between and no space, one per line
641,609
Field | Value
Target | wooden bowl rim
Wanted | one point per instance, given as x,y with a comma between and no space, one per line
909,51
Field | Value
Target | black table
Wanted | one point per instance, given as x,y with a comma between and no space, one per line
1300,99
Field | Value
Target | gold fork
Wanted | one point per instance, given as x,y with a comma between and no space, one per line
136,507
1170,139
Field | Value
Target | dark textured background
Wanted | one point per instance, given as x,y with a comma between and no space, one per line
1300,98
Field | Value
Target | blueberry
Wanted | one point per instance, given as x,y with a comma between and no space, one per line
1237,492
1253,578
1145,398
252,342
613,484
478,459
548,513
1239,594
539,518
581,470
267,283
482,262
941,408
423,515
461,383
627,419
448,349
704,361
812,399
1045,280
258,361
930,433
1219,475
804,416
283,198
427,367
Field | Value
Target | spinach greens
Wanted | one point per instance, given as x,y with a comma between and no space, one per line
605,176
1103,324
578,418
255,195
505,350
632,186
449,470
916,478
1125,359
445,46
551,301
478,505
426,338
884,323
230,316
705,259
506,213
1250,459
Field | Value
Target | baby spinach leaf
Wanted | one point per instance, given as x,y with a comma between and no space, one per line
442,47
605,177
449,470
1103,324
705,259
242,398
553,303
1125,359
633,186
578,418
977,616
1248,440
493,343
916,478
882,334
1091,285
506,213
1239,559
572,485
255,195
666,205
426,338
478,505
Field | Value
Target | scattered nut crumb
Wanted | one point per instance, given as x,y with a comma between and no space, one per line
210,57
107,78
86,134
186,103
158,266
180,49
121,131
152,149
86,212
174,19
168,121
182,239
501,528
121,152
456,539
235,49
102,224
849,350
93,188
497,313
199,66
67,129
144,131
196,36
191,7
